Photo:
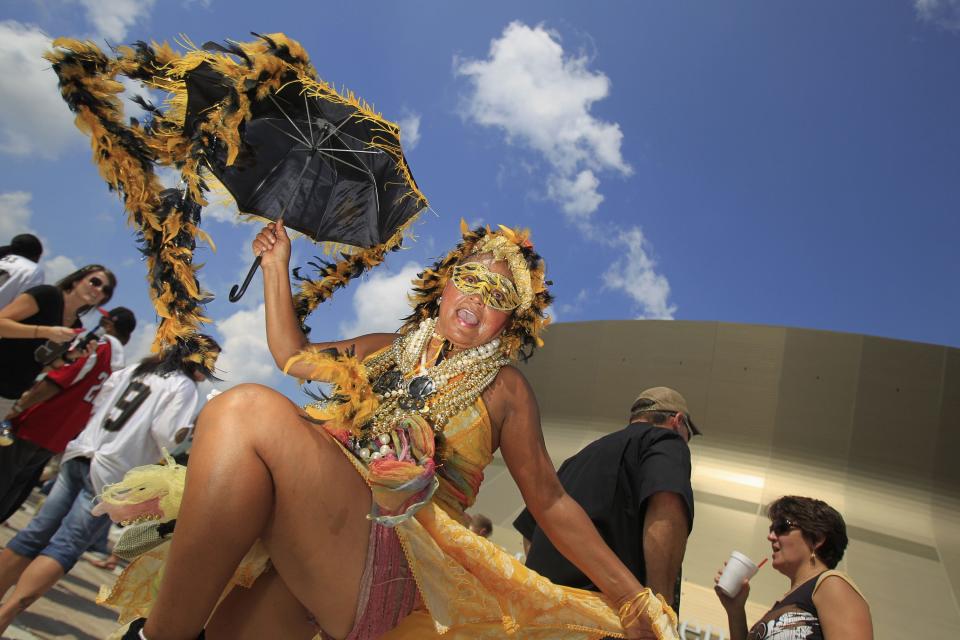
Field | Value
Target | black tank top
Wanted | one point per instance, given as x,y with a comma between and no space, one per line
793,618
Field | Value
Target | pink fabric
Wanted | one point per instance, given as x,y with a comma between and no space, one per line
388,591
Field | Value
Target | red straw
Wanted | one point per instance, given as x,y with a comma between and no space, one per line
762,562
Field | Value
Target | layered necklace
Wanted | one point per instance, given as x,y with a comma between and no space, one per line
406,386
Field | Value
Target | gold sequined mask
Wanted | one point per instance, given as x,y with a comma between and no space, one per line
496,291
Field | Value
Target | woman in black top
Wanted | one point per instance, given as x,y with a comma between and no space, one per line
808,538
41,313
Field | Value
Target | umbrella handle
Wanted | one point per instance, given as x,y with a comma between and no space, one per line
237,291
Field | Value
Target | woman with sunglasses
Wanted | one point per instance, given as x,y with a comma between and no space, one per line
808,538
41,313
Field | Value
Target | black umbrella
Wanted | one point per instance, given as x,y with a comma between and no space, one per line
318,163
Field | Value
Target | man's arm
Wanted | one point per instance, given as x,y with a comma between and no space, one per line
665,528
39,392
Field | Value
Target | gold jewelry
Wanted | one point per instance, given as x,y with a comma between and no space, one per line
438,393
649,606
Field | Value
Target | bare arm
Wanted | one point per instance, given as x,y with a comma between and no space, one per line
843,612
563,520
22,307
665,528
284,336
40,392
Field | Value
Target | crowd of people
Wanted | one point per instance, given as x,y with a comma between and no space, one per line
348,518
68,396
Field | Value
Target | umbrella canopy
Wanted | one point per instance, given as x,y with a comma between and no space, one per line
311,161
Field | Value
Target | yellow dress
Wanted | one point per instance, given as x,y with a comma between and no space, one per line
472,588
468,586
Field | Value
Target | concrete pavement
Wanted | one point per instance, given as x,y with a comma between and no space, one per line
69,610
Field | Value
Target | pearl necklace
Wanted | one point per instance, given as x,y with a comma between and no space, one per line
405,386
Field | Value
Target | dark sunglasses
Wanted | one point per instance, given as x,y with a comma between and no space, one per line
781,526
100,284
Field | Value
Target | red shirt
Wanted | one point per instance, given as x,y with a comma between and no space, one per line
55,422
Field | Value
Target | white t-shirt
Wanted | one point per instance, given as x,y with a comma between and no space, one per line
132,420
17,274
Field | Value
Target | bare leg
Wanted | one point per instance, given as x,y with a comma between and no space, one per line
41,574
11,566
258,469
266,610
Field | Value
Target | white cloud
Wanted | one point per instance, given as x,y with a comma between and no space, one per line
35,119
578,197
635,274
221,208
113,18
140,342
541,97
410,131
943,13
57,267
14,214
245,356
380,302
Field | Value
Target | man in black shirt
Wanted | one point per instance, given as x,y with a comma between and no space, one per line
635,486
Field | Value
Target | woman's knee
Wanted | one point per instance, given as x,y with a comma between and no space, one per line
244,406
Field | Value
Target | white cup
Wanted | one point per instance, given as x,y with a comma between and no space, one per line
739,568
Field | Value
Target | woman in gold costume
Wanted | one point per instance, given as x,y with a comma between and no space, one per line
360,501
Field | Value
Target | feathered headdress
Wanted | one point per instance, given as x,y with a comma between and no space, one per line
522,334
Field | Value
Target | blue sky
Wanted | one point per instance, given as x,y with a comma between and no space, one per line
761,162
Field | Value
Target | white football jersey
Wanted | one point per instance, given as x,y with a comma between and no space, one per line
17,274
133,418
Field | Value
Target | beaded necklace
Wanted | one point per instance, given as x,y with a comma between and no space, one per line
406,387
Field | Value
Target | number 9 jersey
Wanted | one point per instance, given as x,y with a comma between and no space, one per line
134,417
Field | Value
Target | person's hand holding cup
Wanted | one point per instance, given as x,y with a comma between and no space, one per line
733,580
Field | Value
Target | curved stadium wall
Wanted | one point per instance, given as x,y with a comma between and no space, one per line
870,425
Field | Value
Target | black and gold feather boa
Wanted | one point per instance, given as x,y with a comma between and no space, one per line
127,154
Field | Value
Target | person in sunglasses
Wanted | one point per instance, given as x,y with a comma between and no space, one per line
141,410
635,486
808,538
56,408
41,313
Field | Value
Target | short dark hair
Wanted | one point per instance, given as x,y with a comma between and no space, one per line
25,245
817,521
67,282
